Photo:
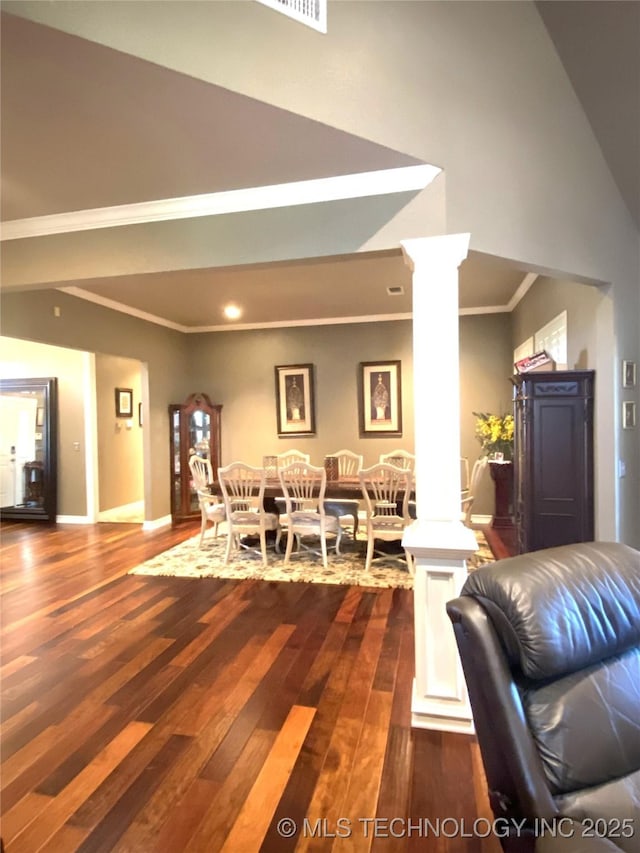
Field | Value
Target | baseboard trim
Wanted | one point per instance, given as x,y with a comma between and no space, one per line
135,506
73,519
157,523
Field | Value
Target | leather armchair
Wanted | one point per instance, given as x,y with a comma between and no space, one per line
550,647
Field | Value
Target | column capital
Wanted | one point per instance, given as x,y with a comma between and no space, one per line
448,250
439,540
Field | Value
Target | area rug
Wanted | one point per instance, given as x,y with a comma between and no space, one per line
188,560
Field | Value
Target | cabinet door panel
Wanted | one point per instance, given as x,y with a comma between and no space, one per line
554,459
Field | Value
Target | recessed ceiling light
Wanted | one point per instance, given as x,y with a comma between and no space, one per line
232,312
395,290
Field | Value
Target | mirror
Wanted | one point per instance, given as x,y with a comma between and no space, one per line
28,449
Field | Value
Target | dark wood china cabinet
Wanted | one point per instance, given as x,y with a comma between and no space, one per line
553,460
194,427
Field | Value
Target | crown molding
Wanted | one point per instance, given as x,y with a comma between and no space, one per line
336,188
286,324
123,309
523,287
483,309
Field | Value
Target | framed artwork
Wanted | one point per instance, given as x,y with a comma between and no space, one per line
628,414
295,403
380,398
124,402
628,374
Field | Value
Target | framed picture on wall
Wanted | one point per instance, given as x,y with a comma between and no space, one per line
295,403
124,402
380,401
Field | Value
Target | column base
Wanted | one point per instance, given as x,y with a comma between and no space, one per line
435,716
440,550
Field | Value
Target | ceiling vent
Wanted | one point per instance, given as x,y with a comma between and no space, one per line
313,13
395,290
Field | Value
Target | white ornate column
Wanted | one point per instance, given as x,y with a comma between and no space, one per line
438,540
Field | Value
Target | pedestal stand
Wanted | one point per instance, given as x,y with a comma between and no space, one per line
502,476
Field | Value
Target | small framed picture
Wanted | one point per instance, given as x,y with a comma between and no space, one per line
628,414
628,374
124,402
380,398
295,404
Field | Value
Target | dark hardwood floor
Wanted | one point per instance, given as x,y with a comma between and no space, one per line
162,714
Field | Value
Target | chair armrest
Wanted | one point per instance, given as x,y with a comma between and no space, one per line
210,502
208,498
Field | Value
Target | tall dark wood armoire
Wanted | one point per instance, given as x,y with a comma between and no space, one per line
553,459
194,426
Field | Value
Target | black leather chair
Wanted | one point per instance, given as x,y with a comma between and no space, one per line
550,647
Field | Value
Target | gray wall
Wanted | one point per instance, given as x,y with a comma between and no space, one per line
84,325
546,299
237,369
485,368
120,456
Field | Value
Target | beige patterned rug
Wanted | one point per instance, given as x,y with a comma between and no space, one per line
188,560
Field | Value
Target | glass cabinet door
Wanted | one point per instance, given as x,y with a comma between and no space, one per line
176,487
194,428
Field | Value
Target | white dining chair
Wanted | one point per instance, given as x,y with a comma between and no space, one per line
386,490
399,458
243,488
477,472
212,509
303,486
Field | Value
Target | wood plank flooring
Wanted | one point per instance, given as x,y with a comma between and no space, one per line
162,714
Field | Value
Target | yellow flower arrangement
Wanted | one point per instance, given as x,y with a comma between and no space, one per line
495,433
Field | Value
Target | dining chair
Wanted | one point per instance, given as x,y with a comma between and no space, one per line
287,457
386,490
349,463
399,458
464,476
212,511
243,488
477,472
303,486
